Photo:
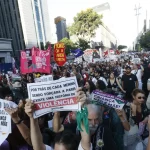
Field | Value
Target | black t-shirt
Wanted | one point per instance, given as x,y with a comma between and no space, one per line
129,82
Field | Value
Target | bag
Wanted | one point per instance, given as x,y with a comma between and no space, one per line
131,136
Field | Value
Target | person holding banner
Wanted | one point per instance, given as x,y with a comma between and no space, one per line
97,133
65,141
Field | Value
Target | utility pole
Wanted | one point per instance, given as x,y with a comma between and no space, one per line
137,10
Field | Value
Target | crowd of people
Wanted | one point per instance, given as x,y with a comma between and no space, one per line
109,128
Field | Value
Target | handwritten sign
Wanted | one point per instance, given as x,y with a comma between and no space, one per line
5,119
58,95
59,54
107,99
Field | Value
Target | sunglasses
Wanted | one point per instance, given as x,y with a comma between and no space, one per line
141,97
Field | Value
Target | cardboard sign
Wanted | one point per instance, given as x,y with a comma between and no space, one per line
5,119
59,54
102,98
58,95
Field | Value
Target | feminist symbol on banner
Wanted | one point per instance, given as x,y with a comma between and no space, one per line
59,54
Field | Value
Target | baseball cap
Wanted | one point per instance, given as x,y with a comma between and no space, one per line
128,67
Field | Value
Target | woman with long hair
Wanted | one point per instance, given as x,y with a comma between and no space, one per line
113,83
137,116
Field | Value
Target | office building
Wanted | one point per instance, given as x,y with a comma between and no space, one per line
103,34
5,55
61,29
26,22
10,24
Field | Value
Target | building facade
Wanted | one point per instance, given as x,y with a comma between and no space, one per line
103,33
5,50
26,22
61,29
10,24
35,21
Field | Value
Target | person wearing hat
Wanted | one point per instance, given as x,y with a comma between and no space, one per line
129,83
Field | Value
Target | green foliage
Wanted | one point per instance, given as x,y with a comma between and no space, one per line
120,47
82,44
42,45
145,40
68,44
85,24
47,44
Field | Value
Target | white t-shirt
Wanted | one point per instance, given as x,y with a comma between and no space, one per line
138,74
94,80
48,147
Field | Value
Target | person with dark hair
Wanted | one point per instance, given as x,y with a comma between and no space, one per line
99,76
101,85
64,141
78,76
55,75
17,91
137,113
113,83
129,83
90,87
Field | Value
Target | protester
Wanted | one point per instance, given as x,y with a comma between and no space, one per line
109,128
137,113
129,83
138,71
114,84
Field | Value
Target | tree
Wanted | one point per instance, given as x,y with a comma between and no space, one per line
120,47
145,40
47,44
85,24
68,44
42,45
82,44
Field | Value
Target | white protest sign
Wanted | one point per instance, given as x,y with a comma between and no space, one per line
102,98
58,95
46,78
37,80
5,119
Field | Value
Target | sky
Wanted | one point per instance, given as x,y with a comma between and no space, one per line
123,19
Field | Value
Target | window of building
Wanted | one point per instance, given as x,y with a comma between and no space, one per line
2,60
38,20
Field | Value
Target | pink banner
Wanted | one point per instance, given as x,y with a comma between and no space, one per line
26,63
38,61
41,60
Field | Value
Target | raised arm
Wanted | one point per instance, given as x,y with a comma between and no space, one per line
57,126
120,86
123,119
85,143
23,129
36,136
